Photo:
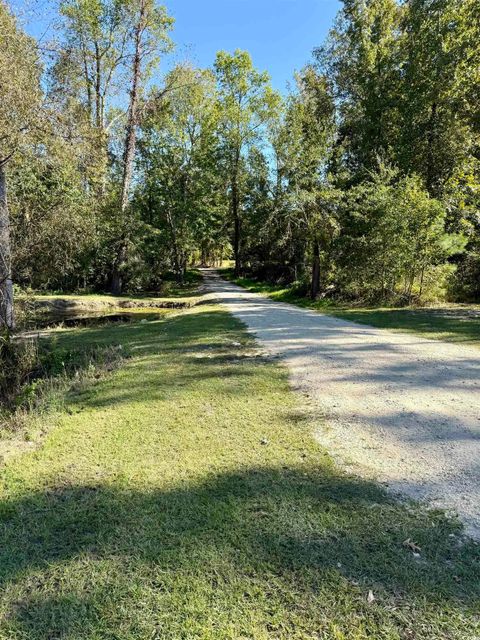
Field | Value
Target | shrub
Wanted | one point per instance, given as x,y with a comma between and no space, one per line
393,241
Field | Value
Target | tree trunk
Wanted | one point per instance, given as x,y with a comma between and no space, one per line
130,143
177,259
118,269
315,284
236,222
98,89
131,133
430,180
7,318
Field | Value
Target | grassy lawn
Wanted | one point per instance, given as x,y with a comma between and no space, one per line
183,497
450,322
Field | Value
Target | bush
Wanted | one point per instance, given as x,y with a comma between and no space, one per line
393,242
464,283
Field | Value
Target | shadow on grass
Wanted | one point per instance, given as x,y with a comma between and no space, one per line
182,343
310,531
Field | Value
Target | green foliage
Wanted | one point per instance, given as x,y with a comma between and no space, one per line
180,199
361,61
367,232
33,372
19,360
20,95
246,104
296,187
393,237
53,218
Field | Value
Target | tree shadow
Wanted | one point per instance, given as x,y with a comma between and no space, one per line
308,531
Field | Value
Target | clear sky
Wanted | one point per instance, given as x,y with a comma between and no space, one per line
279,34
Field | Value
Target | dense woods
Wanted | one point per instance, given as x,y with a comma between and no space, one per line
362,183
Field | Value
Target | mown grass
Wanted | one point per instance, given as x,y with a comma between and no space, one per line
184,497
449,322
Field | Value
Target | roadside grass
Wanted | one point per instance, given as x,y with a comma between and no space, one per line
184,497
36,377
450,322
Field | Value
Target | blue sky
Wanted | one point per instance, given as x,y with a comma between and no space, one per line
279,34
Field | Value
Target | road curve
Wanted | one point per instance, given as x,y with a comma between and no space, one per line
397,407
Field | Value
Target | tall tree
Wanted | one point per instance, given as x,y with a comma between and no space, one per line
148,39
20,97
180,192
303,147
247,102
88,70
360,59
435,134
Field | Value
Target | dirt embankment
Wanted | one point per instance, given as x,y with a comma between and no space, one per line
66,305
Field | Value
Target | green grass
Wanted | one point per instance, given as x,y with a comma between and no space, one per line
449,322
184,497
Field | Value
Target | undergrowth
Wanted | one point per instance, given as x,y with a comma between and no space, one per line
35,375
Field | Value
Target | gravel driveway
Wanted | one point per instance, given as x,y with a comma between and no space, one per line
397,407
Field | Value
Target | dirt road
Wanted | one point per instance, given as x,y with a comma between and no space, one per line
397,407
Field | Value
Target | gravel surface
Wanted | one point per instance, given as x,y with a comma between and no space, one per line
402,409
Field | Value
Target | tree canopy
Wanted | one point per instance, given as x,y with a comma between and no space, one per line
362,182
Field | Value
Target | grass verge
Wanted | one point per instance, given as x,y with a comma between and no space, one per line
35,379
450,322
183,496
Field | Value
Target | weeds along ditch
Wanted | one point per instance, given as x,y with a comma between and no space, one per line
35,373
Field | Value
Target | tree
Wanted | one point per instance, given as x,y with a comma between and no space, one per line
435,136
360,59
246,104
393,238
180,193
19,101
303,147
55,224
87,70
148,38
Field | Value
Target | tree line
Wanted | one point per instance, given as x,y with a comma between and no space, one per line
361,183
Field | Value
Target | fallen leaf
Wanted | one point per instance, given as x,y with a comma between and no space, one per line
413,546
